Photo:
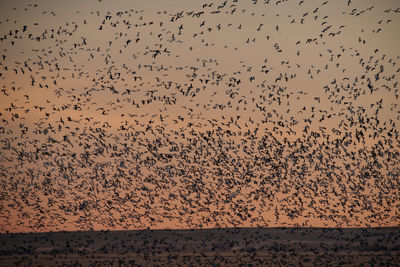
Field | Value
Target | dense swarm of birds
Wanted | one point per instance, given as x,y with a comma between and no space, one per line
230,113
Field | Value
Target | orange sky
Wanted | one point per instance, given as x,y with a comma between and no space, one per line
186,114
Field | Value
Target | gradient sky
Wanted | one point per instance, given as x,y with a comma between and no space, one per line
188,114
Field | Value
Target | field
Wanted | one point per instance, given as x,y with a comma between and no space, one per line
206,247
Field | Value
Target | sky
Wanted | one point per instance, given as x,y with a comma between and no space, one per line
198,114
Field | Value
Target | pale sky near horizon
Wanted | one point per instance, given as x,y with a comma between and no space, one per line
187,114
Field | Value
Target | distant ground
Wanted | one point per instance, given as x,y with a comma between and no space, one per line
206,247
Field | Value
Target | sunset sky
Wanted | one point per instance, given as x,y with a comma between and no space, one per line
199,114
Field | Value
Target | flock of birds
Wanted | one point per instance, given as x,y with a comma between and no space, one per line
228,113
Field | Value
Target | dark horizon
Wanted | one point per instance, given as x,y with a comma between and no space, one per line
224,247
